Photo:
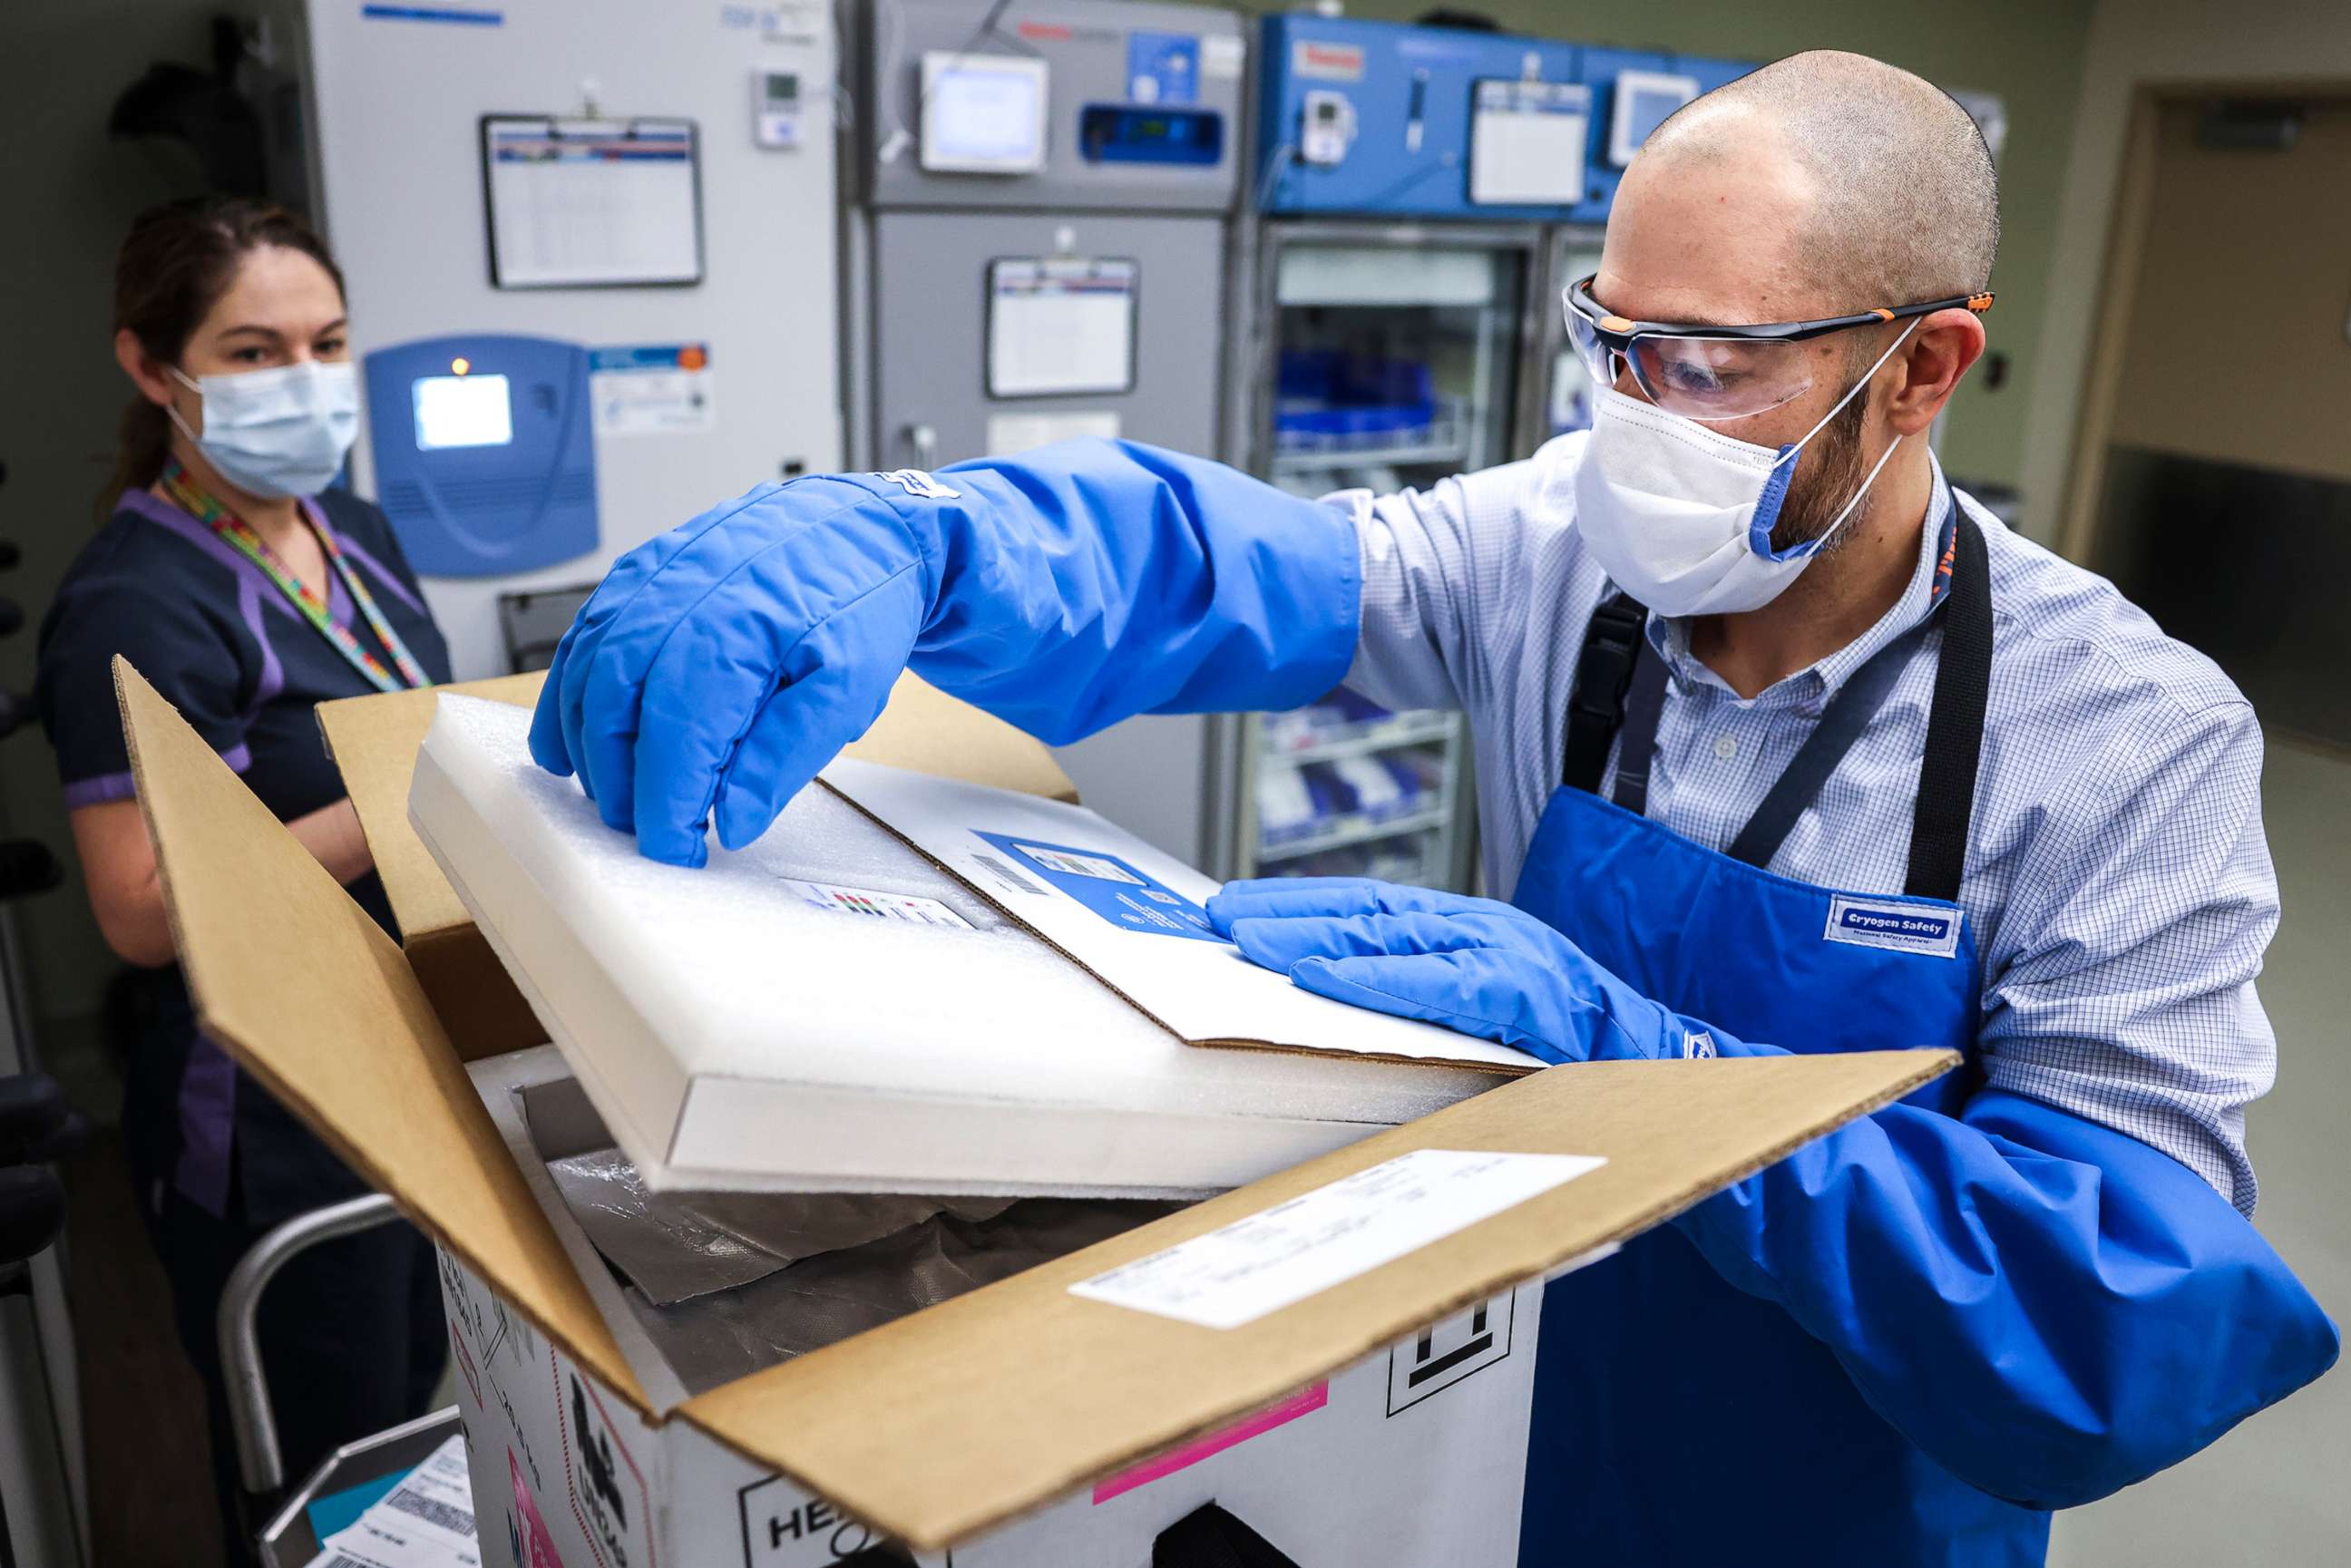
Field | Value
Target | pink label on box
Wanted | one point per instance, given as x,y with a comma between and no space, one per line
536,1547
1305,1402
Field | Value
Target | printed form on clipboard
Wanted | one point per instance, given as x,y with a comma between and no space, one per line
1134,918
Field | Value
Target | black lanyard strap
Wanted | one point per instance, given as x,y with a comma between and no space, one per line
1595,706
1842,723
1644,705
1620,684
1947,782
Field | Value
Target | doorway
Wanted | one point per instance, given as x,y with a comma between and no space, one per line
2213,474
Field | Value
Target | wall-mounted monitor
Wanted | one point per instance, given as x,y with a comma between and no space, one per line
1642,101
983,114
462,410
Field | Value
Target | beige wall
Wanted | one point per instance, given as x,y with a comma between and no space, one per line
2135,42
2028,52
2259,240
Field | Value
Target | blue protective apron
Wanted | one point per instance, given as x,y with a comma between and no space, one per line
1677,1419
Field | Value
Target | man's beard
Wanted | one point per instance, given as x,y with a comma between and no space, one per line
1816,498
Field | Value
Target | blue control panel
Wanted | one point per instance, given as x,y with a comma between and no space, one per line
1381,119
1121,133
1376,118
484,457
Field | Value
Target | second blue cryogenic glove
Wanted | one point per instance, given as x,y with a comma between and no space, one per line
1470,964
721,665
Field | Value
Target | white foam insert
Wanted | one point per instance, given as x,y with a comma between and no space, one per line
732,1037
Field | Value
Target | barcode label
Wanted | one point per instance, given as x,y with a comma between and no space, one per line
455,1521
902,906
1008,876
340,1561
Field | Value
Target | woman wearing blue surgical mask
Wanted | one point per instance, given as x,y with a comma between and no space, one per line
248,589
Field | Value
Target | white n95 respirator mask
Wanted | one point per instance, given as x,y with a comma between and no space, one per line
280,431
1680,516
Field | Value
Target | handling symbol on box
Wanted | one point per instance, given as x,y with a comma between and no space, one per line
1446,1352
608,1490
596,1463
783,1527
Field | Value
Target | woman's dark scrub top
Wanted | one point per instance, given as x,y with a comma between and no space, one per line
225,646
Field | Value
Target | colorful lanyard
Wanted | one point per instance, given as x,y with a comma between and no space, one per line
239,536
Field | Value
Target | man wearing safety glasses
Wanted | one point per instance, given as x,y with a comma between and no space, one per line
1783,745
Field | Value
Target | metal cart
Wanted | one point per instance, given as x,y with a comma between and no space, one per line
278,1520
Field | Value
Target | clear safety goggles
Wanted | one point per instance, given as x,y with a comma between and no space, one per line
1711,374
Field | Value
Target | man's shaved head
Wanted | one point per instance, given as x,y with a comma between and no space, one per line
1827,184
1895,196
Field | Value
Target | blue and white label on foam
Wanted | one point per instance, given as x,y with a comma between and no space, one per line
1163,67
874,904
1927,929
1109,886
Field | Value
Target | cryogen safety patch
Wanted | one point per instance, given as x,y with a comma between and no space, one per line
1929,930
1109,886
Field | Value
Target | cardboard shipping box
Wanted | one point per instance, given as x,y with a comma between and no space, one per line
1023,1422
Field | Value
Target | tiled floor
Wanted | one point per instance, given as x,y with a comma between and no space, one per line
151,1490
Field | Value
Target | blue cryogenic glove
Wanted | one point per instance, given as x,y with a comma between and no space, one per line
720,666
2051,1310
1470,964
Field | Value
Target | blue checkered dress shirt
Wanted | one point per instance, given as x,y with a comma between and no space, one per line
2117,876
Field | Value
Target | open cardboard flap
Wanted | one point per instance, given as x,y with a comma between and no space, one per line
1020,1391
311,997
942,1424
374,741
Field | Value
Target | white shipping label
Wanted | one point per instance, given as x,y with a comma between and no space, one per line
1324,1238
373,1543
424,1521
436,1498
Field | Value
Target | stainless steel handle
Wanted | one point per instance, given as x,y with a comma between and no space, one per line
924,439
258,1460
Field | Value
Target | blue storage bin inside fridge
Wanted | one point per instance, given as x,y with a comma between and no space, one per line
1324,396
